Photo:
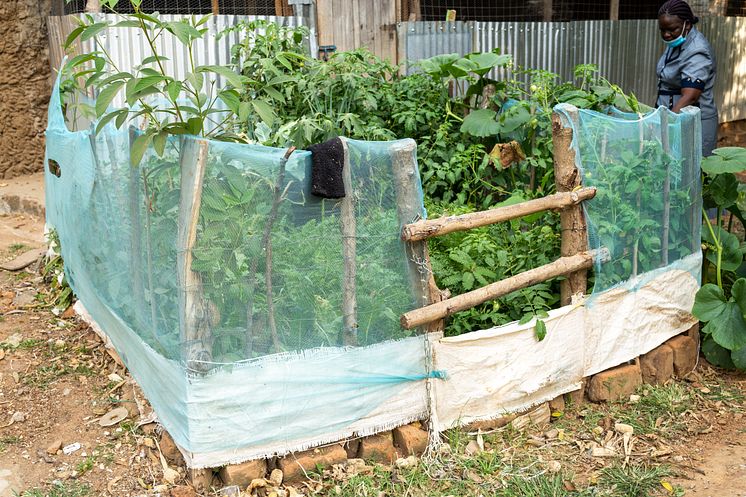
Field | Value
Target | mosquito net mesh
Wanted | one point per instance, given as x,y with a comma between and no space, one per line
646,214
257,317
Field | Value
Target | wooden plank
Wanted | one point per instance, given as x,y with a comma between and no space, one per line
194,313
574,231
278,8
444,225
666,188
439,310
348,227
325,22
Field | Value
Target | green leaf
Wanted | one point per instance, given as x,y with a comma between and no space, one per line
723,190
185,32
729,328
73,36
485,62
264,110
92,30
231,99
717,355
153,58
159,142
173,89
725,160
148,82
526,318
115,77
120,119
194,125
439,65
243,111
731,257
127,24
481,123
709,303
138,148
106,96
514,118
108,117
541,330
232,77
467,280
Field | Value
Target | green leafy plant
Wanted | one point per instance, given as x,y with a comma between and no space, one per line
721,302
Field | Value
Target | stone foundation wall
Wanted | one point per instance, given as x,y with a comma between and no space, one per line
24,85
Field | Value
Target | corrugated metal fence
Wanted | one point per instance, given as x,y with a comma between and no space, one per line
128,47
625,51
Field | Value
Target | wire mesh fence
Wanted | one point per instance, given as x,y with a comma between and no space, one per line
560,10
230,7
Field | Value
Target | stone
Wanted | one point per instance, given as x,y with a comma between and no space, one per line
657,365
557,404
411,440
295,466
378,448
201,480
170,451
576,397
183,491
615,383
685,353
54,447
242,474
275,478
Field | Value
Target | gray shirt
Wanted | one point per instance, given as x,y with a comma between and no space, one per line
691,65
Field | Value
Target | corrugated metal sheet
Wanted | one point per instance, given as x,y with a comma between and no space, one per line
128,47
625,51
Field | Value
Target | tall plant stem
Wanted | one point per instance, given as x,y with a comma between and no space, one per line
718,246
267,249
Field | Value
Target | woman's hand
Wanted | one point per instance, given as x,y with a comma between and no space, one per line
689,96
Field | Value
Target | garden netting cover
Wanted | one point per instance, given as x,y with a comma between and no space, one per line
648,206
258,318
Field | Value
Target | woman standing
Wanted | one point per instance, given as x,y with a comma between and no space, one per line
686,70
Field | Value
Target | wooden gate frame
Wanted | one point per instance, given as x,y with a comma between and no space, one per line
575,258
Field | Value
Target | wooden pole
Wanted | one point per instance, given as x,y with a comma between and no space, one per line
348,227
440,310
574,232
135,248
408,208
444,225
666,187
614,10
547,8
195,316
216,7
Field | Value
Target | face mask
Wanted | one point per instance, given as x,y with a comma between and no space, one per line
678,41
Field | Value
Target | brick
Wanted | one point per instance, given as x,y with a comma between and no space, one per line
557,404
295,466
378,448
411,440
170,451
693,333
657,365
615,383
685,354
242,474
576,397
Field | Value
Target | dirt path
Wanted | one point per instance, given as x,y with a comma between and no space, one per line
723,462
